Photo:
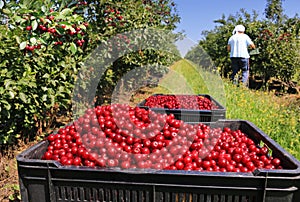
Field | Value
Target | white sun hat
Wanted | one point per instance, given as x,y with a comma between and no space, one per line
239,28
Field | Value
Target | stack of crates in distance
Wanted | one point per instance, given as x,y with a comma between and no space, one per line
192,114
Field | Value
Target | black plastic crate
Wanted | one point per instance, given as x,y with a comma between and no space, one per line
49,181
189,115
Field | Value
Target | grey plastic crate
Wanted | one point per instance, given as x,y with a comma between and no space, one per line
49,181
189,115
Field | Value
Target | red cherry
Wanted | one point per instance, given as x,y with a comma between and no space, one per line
28,28
125,164
51,17
179,165
276,162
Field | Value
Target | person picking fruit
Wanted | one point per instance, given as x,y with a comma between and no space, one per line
238,45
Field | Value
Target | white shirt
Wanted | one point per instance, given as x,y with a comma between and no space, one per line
239,45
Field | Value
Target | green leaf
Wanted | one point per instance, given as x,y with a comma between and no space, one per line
6,11
46,76
73,3
66,23
18,19
61,88
66,11
42,40
62,63
63,76
18,39
43,8
7,83
11,197
82,27
46,36
6,104
44,98
33,40
70,28
53,82
1,4
59,30
23,45
2,90
4,71
48,21
73,48
52,97
11,94
34,24
23,97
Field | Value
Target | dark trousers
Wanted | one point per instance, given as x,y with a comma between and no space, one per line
238,64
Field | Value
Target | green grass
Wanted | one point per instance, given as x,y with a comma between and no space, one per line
275,116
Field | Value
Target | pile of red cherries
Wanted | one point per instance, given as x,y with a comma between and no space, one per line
126,137
194,102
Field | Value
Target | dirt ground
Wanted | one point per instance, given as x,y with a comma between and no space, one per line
9,184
